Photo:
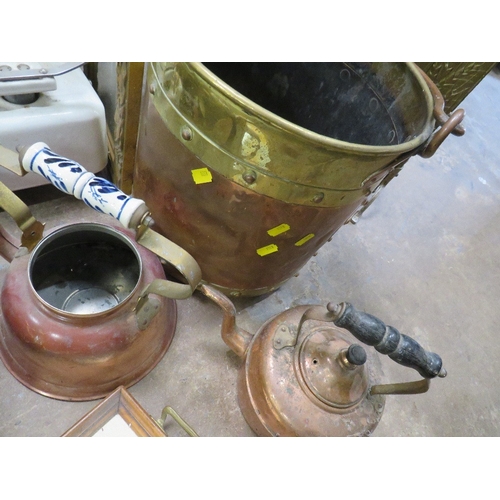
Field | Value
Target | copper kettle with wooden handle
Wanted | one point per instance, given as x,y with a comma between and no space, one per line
305,374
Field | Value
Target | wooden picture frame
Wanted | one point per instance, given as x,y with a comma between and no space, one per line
118,403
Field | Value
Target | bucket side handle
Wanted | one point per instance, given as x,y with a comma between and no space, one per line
448,124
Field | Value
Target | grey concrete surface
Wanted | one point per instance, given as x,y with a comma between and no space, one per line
424,258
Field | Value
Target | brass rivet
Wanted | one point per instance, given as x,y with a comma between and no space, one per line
249,177
186,133
318,198
152,89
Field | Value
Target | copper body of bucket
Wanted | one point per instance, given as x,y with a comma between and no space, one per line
248,192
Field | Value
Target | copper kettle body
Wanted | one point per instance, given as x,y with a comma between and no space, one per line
87,308
70,326
304,374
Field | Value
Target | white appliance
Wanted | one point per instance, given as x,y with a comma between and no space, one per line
52,103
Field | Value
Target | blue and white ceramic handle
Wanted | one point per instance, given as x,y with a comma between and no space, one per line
71,178
103,196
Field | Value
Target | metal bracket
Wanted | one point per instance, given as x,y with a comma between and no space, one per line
146,310
174,255
10,160
37,74
168,410
32,228
284,337
416,387
23,80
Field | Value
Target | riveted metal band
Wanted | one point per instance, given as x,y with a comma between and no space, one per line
242,142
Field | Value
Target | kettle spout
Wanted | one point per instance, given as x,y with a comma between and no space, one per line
236,338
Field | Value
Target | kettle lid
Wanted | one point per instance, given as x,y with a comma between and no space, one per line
333,369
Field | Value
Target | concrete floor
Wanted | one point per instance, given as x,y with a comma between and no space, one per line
423,258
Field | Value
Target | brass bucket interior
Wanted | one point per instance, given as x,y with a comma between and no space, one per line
373,105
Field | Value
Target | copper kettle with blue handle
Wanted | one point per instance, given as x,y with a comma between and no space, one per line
87,306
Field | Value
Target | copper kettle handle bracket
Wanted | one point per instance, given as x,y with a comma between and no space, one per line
147,306
168,410
386,340
103,196
415,387
449,124
172,254
31,228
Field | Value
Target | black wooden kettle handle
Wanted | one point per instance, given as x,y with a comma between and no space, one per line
387,340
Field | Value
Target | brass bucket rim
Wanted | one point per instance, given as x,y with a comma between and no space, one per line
255,109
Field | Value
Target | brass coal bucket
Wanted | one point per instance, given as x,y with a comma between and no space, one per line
252,167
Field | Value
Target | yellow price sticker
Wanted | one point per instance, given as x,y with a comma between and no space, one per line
201,175
267,250
305,239
282,228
